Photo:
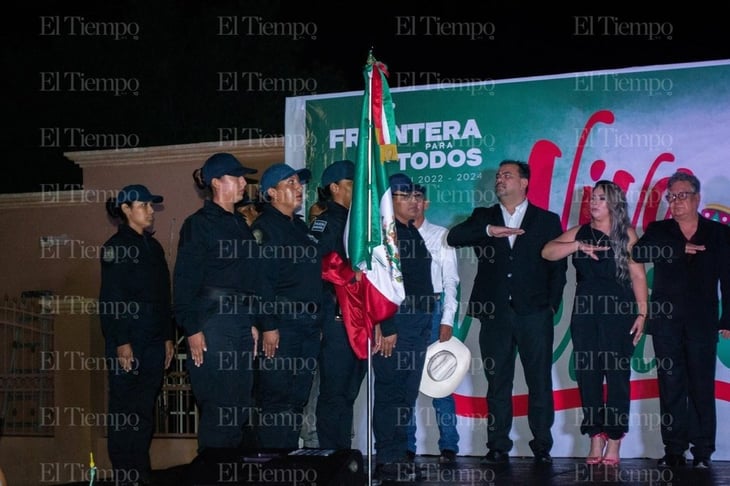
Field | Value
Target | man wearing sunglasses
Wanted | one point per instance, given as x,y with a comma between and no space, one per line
691,256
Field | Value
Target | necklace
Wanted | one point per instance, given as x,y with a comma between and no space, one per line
597,240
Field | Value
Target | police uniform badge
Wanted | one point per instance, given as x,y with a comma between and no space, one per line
109,254
258,235
319,225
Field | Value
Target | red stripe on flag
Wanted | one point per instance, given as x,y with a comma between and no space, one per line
376,96
361,303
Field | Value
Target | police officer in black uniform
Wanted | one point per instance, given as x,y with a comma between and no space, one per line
214,302
341,371
291,291
136,321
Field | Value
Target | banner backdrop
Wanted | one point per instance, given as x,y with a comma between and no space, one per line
634,126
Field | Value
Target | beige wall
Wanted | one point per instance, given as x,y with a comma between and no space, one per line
71,272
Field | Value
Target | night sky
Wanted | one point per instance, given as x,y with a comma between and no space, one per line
136,74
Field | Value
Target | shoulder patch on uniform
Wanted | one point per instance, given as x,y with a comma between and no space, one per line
108,255
258,235
319,225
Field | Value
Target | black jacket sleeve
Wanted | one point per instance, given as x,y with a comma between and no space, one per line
115,273
189,275
557,269
654,246
472,231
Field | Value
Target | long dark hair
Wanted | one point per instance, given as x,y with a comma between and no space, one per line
620,224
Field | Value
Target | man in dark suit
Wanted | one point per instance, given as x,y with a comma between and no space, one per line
515,295
691,255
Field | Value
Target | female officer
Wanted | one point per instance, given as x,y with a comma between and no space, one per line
341,371
291,290
213,302
138,334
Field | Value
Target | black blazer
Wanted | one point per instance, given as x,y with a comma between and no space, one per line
684,289
520,272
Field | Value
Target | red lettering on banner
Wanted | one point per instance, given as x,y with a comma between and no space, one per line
542,161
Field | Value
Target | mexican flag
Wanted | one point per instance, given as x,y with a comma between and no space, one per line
371,243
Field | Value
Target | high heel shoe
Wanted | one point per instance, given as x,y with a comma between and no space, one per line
599,440
612,460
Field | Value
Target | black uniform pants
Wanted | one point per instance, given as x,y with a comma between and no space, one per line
132,396
340,377
285,381
223,384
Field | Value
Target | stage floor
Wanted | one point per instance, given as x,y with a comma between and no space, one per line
520,471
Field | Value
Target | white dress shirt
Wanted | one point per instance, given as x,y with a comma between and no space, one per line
444,267
514,220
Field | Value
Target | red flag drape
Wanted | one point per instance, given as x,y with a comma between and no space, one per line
354,297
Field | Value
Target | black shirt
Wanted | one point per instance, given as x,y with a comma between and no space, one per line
134,300
415,264
291,267
216,250
329,229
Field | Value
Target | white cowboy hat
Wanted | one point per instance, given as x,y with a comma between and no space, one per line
446,365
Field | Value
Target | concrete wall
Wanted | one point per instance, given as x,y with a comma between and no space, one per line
71,270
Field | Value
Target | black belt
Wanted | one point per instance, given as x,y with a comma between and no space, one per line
218,293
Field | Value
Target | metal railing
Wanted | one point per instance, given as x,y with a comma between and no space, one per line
26,385
175,411
27,375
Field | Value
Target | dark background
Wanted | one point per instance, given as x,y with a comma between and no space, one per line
180,58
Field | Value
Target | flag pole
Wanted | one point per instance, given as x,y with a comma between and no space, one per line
374,250
370,391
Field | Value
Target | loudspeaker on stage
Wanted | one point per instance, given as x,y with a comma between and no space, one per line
278,467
